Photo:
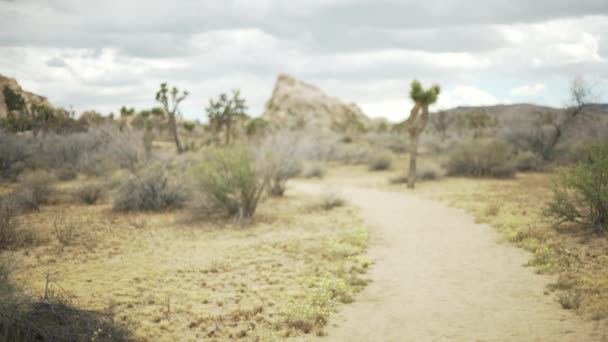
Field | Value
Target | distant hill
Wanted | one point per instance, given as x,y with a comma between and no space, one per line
511,111
29,98
295,105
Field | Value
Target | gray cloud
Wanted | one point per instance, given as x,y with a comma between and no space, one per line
109,53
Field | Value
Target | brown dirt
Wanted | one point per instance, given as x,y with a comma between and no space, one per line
439,276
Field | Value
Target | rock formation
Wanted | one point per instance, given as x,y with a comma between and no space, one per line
28,97
298,105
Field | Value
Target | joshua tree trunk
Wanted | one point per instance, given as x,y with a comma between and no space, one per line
173,129
411,177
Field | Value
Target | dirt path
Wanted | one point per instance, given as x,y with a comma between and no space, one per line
441,277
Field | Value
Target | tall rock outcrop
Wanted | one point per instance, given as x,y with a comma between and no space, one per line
29,98
298,105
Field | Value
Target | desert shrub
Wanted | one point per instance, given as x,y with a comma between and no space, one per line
89,193
394,142
429,171
351,153
279,161
52,318
66,173
482,158
12,235
331,200
15,152
149,190
9,230
231,179
33,191
380,162
580,193
527,161
313,170
424,172
64,231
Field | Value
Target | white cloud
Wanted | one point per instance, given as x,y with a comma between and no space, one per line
465,95
529,90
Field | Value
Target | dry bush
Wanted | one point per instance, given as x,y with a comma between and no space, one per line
352,153
33,191
231,179
149,190
52,318
380,161
426,171
66,173
15,154
313,170
331,200
89,193
97,152
482,158
527,161
12,235
64,231
394,142
279,159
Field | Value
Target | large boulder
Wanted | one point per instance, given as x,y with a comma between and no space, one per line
298,105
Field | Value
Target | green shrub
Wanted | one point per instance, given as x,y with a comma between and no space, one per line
149,190
231,179
580,193
380,162
482,158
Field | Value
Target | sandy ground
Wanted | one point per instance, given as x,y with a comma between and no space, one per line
441,277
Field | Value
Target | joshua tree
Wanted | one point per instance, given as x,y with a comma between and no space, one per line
224,112
415,124
582,95
170,101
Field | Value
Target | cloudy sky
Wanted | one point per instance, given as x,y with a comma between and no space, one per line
105,54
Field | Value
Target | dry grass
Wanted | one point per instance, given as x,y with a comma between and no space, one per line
515,207
212,281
